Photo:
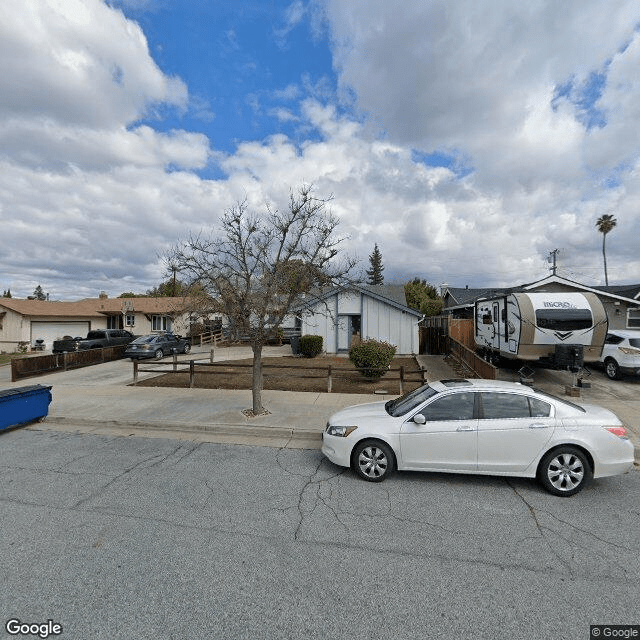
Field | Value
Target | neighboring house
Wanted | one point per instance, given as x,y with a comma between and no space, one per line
622,303
25,321
369,311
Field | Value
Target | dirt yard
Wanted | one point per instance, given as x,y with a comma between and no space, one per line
293,374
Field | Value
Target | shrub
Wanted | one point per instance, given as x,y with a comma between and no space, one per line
372,357
310,346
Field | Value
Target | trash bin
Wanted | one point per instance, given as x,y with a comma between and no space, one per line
23,404
295,345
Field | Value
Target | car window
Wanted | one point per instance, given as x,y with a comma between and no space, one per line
504,405
539,408
456,406
634,342
613,339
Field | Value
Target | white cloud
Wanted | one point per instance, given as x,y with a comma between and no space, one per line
100,196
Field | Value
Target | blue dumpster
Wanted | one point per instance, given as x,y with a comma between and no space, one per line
23,404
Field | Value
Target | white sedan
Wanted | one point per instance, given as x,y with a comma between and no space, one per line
481,427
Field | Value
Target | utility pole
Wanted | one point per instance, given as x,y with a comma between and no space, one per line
552,258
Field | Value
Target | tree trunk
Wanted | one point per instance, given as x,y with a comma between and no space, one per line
256,387
604,257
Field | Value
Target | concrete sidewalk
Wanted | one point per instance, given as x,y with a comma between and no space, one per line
98,399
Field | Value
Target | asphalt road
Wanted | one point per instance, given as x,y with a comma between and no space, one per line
134,538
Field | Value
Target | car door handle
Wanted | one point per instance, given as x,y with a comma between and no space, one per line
537,425
465,429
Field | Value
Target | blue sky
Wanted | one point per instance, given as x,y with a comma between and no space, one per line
246,63
466,139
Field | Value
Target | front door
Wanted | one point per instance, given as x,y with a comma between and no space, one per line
447,440
348,331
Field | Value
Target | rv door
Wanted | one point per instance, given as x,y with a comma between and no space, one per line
495,330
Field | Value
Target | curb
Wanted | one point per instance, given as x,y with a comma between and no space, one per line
241,430
226,430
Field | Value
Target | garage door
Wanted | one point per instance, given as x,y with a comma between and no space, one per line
50,331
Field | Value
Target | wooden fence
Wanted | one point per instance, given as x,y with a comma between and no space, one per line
471,360
37,365
329,373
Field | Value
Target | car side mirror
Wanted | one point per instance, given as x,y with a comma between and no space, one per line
419,419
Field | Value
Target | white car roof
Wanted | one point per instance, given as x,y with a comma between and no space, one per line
476,384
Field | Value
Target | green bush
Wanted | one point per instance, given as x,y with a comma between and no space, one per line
372,357
310,346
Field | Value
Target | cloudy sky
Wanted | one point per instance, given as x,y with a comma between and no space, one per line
468,139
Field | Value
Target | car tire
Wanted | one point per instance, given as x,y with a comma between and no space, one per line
564,471
187,348
611,369
373,460
159,354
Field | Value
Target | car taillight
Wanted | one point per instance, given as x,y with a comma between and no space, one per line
621,432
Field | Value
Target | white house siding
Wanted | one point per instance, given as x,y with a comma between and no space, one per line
384,322
379,320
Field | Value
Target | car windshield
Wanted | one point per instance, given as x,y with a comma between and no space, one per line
144,340
409,401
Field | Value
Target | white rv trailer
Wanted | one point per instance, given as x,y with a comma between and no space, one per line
531,326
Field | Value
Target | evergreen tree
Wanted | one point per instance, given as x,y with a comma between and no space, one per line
7,294
39,293
374,274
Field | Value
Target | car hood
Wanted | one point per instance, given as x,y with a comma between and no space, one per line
357,413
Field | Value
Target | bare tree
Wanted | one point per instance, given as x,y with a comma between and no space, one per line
261,267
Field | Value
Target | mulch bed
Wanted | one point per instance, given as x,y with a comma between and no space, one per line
293,374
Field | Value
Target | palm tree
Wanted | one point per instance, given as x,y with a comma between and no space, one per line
604,224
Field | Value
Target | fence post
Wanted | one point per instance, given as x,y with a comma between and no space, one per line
211,356
423,372
175,360
135,372
64,360
401,381
192,373
329,380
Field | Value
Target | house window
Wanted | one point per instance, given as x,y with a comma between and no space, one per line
160,323
112,322
129,320
633,319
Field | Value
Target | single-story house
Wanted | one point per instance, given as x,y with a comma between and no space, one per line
368,311
25,321
622,303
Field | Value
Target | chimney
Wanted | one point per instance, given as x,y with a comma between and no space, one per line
103,295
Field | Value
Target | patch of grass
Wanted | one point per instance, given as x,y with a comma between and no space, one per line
294,374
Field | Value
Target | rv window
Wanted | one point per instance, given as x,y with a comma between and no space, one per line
486,319
564,319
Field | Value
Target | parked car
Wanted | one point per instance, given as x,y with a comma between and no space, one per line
484,427
97,339
157,346
621,353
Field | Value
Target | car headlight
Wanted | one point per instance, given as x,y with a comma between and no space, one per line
341,432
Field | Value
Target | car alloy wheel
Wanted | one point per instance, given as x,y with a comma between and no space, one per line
373,461
187,348
612,369
565,471
159,354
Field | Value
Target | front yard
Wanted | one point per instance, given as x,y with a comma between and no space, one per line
294,374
